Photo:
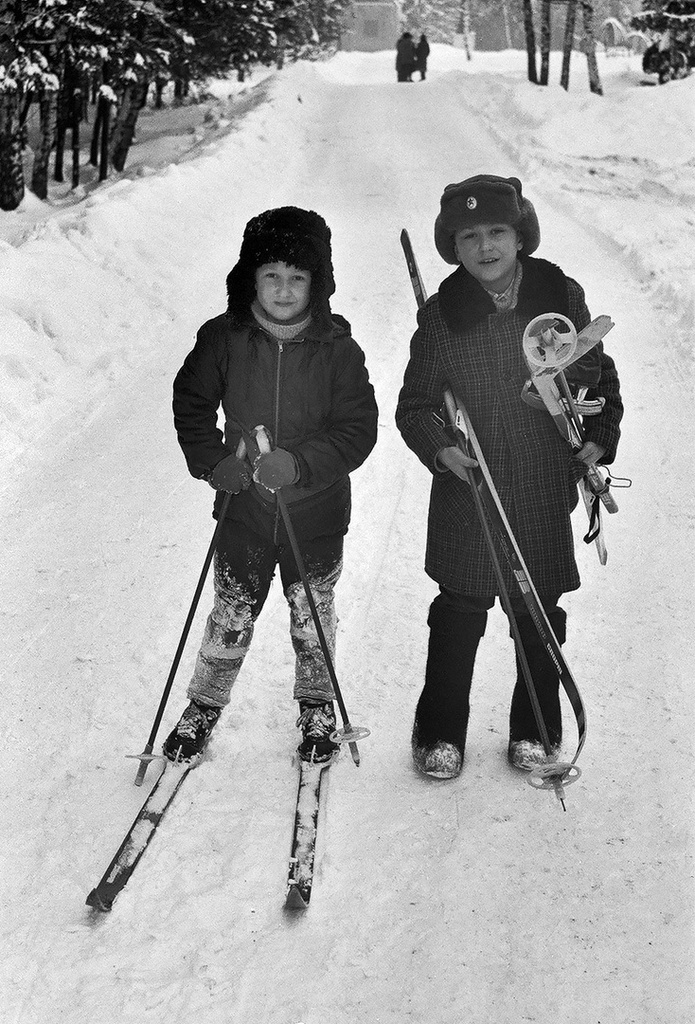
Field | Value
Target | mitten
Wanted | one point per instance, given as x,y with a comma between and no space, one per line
231,474
276,469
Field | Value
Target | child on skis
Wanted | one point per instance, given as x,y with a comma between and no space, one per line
280,358
469,339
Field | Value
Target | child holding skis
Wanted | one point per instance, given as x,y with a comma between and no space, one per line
469,338
278,357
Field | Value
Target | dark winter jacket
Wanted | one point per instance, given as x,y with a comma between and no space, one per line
314,397
422,52
405,54
462,342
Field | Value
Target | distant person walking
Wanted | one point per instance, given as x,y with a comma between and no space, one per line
422,52
406,59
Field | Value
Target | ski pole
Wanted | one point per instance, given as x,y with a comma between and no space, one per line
146,756
553,774
348,734
505,599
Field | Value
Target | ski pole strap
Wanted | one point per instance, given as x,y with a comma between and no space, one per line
594,521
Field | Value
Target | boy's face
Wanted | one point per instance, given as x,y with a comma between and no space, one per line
283,291
488,252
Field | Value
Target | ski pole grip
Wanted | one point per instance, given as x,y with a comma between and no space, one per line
262,440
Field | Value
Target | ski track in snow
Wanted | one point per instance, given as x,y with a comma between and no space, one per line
476,900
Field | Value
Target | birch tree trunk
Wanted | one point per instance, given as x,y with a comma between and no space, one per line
76,118
530,42
134,100
466,14
96,134
48,102
105,104
11,166
507,29
569,41
590,44
118,126
61,125
545,41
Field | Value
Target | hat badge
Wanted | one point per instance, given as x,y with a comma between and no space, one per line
471,202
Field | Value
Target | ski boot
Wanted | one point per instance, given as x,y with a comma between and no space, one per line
317,722
189,737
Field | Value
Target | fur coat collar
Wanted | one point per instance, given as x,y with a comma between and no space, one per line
464,302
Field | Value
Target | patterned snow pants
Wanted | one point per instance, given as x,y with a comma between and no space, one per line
244,567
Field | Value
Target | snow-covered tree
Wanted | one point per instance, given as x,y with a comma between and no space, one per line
55,52
438,19
672,23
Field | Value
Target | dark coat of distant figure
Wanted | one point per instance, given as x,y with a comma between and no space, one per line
406,58
422,52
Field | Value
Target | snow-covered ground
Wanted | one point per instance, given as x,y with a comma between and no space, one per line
476,900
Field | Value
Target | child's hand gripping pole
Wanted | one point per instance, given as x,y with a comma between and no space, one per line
258,444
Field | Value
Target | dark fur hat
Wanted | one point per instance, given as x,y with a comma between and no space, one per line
300,238
485,199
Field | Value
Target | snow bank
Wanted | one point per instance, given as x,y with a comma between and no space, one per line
78,282
625,161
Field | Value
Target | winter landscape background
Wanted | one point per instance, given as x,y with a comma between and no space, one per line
476,900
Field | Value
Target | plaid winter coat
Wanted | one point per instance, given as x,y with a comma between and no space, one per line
464,343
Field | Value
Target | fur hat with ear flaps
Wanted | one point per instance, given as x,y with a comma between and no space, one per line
485,199
299,238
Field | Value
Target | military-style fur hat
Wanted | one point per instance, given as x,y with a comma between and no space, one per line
300,238
485,199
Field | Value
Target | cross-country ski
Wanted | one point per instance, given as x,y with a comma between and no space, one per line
139,835
300,876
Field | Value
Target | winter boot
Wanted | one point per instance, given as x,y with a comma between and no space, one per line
526,750
441,717
189,737
530,754
317,722
440,760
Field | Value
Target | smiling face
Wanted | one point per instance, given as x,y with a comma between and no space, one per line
488,252
283,291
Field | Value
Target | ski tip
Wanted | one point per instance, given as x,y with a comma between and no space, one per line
295,900
97,902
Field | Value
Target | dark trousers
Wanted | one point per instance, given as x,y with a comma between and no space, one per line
457,624
245,564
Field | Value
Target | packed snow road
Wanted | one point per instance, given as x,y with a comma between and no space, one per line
476,900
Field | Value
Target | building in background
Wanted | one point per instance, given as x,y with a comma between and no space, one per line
371,25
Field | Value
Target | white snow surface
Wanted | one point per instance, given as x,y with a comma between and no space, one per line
476,900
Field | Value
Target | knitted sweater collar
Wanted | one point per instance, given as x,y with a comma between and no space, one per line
464,302
283,332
